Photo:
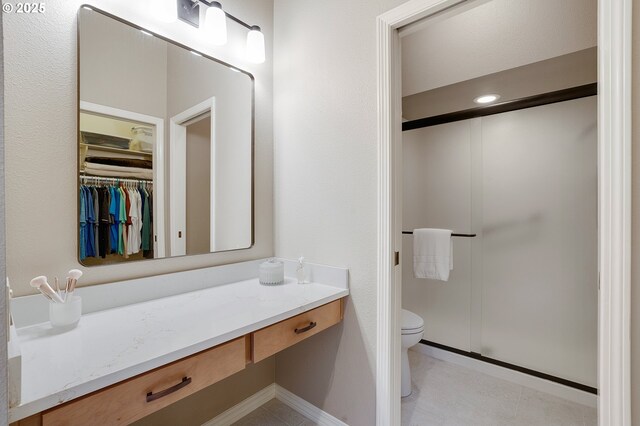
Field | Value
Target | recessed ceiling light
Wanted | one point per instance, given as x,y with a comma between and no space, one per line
486,99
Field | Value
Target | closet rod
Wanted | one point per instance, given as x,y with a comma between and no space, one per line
114,180
453,234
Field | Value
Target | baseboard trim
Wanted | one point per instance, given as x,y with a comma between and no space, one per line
322,418
243,408
561,391
265,395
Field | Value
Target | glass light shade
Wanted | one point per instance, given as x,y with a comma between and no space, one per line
164,10
215,25
255,45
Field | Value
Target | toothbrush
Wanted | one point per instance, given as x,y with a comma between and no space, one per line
72,280
43,286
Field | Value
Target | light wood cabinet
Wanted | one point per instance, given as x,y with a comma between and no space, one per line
133,399
279,336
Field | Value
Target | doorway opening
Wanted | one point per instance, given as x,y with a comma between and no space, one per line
613,203
192,185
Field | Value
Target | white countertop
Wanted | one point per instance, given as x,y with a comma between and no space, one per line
112,345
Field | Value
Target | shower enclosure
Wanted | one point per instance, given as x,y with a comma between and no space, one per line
524,290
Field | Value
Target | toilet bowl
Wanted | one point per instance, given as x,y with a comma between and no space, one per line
412,331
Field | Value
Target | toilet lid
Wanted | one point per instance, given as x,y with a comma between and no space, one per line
411,321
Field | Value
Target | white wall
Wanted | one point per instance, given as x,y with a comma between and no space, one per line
41,138
232,116
526,31
132,78
325,175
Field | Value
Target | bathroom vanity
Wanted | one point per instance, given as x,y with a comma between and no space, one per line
144,344
124,362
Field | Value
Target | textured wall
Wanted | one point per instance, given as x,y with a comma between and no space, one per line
40,96
325,117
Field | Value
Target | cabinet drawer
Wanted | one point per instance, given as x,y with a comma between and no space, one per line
277,337
128,401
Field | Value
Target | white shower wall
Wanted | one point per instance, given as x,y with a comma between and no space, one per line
524,291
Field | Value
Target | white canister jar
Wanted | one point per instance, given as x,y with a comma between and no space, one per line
271,272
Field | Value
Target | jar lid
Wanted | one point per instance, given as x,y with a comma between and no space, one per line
271,264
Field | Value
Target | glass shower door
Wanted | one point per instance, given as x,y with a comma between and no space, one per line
539,239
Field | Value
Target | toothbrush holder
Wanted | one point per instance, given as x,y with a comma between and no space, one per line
65,315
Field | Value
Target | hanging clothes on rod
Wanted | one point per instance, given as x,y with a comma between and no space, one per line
116,217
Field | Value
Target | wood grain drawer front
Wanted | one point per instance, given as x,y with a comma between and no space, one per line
133,399
277,337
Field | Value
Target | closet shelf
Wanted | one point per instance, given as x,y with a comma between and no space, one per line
118,150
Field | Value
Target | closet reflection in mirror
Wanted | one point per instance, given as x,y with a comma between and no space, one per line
165,147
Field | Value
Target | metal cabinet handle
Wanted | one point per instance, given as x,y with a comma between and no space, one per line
153,396
307,328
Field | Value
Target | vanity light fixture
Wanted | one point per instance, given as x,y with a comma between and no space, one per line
215,26
255,45
486,99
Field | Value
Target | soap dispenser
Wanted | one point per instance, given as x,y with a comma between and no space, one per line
302,271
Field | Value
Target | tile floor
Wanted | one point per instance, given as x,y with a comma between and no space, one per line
274,413
448,394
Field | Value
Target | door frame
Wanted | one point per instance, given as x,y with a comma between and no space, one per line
614,206
177,176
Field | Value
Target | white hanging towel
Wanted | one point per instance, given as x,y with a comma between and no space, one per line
432,253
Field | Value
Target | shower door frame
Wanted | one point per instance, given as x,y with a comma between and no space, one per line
614,206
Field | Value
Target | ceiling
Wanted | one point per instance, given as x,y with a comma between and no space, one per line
485,37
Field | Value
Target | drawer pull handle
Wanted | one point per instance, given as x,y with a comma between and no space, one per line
307,328
153,396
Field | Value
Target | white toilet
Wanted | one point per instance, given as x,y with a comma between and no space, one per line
412,331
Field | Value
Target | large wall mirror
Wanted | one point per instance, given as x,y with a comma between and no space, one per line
165,147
